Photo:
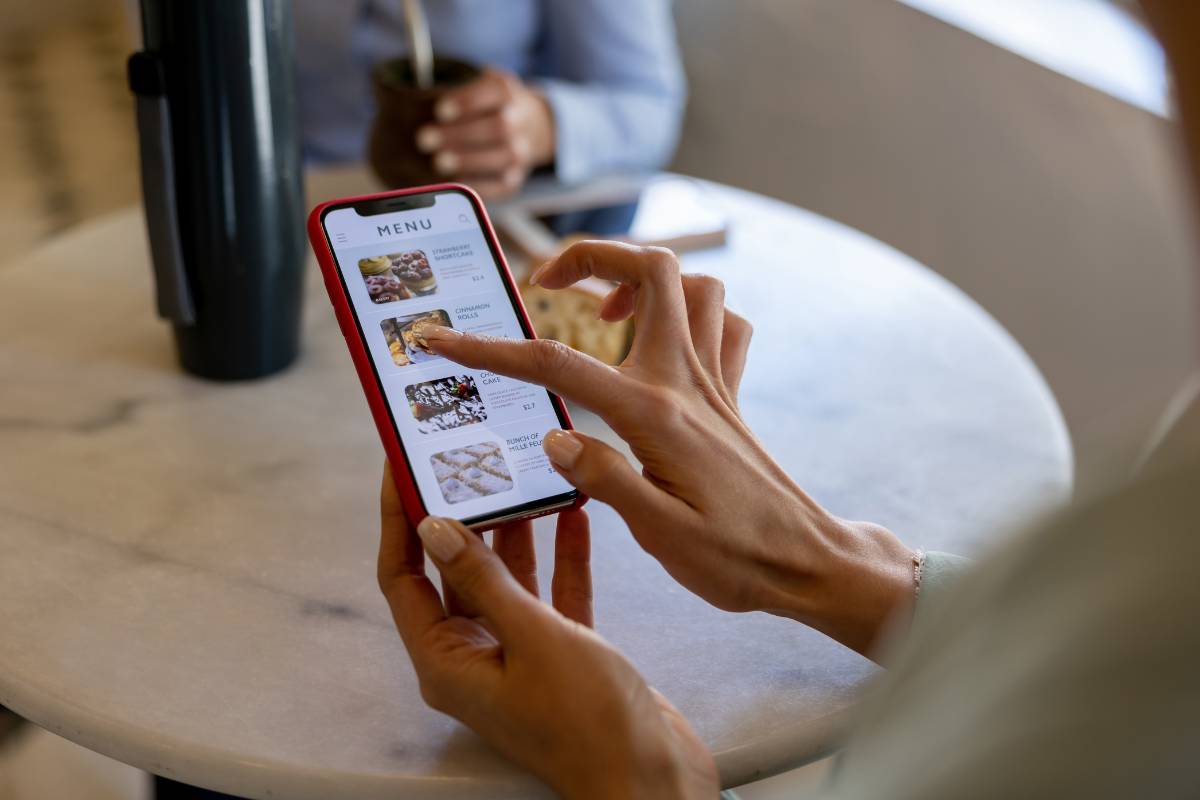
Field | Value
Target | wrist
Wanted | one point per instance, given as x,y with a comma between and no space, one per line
655,773
845,579
659,787
543,137
656,788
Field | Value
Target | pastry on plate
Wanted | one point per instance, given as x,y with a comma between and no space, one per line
571,316
414,334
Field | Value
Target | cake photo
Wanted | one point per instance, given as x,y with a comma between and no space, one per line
468,473
414,272
445,403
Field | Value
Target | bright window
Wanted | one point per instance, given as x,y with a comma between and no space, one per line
1092,41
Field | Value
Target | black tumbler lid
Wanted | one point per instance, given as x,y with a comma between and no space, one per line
146,75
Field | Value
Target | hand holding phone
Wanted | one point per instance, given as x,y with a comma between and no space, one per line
463,443
705,496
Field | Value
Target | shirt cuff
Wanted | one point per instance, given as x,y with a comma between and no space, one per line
574,140
939,571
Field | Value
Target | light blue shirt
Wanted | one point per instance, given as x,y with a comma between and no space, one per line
609,68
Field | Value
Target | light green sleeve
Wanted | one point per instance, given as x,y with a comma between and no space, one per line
1064,665
939,573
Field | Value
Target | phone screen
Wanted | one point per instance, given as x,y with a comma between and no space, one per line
472,438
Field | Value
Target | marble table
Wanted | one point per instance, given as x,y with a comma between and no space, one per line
187,568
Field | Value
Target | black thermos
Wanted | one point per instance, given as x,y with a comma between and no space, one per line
221,179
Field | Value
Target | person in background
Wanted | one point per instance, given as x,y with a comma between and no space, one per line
580,87
1065,664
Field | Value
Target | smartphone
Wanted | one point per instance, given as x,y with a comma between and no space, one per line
463,443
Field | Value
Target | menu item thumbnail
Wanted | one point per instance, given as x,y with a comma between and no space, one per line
397,276
445,403
414,272
405,336
382,284
468,473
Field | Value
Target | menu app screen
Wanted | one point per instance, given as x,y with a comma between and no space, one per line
473,439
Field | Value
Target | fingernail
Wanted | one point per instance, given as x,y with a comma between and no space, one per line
445,162
446,111
538,273
442,540
562,447
439,333
428,139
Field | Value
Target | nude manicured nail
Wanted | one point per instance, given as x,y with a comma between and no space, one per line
538,273
439,333
446,162
428,139
562,448
442,540
446,111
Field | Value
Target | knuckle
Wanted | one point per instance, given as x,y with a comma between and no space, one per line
573,596
488,129
747,331
738,325
518,151
511,152
526,574
512,178
391,582
384,576
550,355
507,84
472,577
662,262
581,247
584,255
432,692
707,287
594,463
506,125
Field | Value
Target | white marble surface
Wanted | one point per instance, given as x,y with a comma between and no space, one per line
187,569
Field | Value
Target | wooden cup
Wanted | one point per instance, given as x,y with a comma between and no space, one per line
401,110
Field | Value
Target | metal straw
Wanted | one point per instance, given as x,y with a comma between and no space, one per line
420,44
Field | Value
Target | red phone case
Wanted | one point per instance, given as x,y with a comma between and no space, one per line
410,497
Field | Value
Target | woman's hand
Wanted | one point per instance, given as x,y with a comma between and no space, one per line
709,502
490,133
534,681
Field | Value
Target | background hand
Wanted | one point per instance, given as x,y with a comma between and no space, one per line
533,680
709,502
490,133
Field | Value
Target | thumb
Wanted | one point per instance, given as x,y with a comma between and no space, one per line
602,472
478,577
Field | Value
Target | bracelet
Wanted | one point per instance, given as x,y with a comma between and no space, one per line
918,560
